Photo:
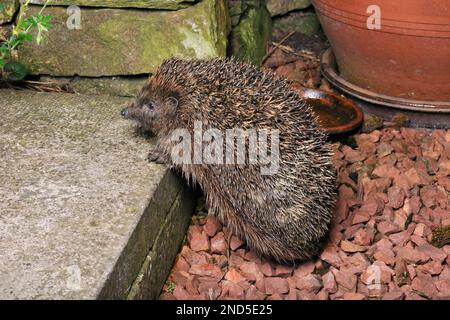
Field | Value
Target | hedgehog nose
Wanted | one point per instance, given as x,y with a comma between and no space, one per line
124,113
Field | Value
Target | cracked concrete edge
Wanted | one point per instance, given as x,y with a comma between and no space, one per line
160,259
142,239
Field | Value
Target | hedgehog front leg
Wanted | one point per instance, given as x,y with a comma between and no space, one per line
158,156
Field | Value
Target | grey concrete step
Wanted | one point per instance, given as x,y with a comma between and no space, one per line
83,214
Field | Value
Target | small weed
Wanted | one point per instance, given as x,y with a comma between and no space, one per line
10,68
170,286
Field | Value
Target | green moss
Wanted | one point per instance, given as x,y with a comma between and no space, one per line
249,38
400,120
170,286
441,236
372,123
280,7
304,23
148,4
128,42
236,9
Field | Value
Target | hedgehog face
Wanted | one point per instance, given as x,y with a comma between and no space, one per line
149,110
143,113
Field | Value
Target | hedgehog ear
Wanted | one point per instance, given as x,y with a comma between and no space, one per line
173,103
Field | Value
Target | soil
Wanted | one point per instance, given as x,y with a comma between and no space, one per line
298,58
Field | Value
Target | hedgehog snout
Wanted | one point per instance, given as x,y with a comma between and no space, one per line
124,113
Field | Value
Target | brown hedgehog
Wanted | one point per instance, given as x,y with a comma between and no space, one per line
282,214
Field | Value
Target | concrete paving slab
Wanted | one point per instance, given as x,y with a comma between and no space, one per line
80,206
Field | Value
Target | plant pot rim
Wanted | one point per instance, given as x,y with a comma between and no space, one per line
326,98
329,71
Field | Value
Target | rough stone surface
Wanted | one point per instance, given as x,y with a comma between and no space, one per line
279,7
114,86
81,206
306,23
250,36
9,9
115,42
158,262
236,8
144,4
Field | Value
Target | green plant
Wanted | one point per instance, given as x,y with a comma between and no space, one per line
170,286
10,68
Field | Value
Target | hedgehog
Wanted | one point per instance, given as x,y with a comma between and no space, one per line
284,214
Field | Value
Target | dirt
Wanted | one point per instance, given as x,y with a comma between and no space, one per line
297,58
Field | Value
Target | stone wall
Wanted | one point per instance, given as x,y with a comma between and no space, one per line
145,4
10,8
251,30
280,7
294,15
117,43
114,41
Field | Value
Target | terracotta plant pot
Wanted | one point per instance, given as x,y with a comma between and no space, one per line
404,54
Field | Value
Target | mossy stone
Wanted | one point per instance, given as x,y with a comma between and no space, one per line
280,7
250,37
304,23
113,86
236,8
9,9
127,42
147,4
441,236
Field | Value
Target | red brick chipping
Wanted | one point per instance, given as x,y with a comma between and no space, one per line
394,190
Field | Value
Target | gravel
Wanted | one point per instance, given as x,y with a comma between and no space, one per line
394,191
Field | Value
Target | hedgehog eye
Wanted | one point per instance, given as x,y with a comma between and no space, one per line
150,105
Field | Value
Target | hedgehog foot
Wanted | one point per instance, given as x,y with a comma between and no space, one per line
158,157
